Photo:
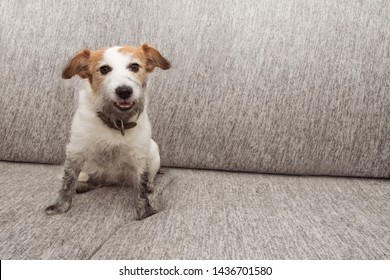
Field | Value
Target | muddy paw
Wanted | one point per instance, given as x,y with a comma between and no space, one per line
83,187
58,208
150,188
146,212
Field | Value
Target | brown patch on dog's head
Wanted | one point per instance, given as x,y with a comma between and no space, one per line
154,58
137,53
95,77
78,65
87,63
83,64
149,57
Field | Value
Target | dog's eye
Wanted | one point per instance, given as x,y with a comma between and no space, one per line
134,67
105,69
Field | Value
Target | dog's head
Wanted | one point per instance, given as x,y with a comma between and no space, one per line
117,76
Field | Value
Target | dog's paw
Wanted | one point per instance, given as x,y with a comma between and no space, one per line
150,188
83,187
57,208
146,212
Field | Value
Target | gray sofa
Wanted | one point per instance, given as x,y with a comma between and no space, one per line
273,127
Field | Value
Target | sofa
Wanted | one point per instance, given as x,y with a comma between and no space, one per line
273,126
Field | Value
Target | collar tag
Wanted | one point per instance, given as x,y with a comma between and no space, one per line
117,124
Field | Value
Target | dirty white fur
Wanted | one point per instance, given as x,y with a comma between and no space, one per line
98,154
90,136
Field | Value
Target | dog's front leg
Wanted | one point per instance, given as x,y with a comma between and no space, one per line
72,170
143,207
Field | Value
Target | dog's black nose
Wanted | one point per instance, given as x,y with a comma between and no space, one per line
124,92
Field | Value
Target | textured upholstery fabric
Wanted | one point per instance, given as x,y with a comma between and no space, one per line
298,87
201,215
26,232
220,215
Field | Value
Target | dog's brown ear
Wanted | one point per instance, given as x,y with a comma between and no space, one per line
78,65
154,59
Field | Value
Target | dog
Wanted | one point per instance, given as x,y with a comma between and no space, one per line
110,141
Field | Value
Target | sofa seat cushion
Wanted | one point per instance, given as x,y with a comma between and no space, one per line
28,233
201,215
226,215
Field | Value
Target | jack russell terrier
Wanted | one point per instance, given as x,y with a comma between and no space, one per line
110,140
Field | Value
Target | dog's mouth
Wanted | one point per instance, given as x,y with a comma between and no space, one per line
124,105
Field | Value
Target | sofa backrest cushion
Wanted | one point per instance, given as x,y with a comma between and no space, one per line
297,87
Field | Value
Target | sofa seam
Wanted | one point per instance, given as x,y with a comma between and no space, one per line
97,249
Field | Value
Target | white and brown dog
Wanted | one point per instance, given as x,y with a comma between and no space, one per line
110,139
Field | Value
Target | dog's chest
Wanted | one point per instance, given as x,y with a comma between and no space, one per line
105,150
111,154
115,154
113,162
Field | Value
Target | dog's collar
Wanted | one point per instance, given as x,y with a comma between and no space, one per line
117,124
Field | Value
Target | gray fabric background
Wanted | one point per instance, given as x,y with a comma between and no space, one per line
298,87
201,215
